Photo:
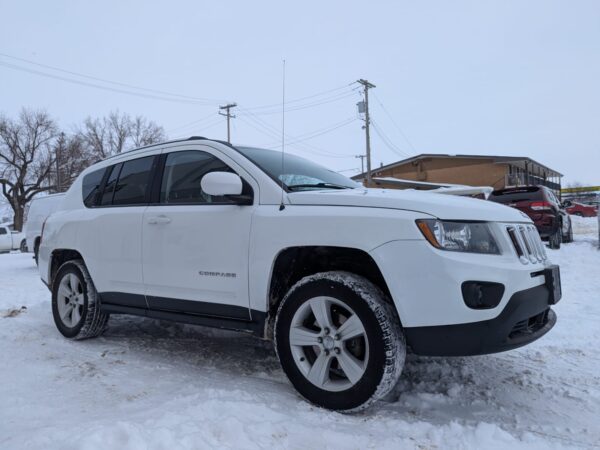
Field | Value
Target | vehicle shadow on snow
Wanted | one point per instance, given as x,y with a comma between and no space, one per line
437,389
179,344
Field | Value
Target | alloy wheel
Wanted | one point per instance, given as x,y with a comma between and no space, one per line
70,300
329,343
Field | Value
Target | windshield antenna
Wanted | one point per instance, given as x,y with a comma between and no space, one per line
281,205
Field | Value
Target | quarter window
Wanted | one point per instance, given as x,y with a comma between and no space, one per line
91,187
182,175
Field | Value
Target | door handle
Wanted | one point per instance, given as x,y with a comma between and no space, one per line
157,220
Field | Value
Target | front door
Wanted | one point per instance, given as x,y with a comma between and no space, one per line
195,246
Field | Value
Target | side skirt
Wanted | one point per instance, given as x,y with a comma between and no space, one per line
252,321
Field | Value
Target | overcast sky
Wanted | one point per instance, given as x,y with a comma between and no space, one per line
517,78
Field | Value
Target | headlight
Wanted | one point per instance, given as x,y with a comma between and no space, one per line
474,237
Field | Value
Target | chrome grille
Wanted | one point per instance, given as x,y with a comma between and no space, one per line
527,243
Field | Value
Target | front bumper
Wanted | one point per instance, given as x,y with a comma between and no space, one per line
526,317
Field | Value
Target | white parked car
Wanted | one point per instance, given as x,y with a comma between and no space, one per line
343,279
10,239
39,210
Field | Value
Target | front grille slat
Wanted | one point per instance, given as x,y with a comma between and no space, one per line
527,243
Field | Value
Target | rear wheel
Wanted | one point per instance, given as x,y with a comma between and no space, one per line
339,341
23,246
75,304
555,239
569,236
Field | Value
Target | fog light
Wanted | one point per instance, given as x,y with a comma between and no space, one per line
482,294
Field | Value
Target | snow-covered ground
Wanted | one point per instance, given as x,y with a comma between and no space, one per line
158,385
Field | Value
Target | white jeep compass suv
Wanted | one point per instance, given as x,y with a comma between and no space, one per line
343,279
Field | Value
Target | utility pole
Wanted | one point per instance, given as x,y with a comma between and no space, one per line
366,85
362,162
229,116
57,156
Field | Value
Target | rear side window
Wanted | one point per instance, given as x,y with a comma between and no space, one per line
3,231
132,185
109,187
517,195
91,187
182,175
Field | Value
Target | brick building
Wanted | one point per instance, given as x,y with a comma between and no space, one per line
475,170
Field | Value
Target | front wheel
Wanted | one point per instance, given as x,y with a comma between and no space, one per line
75,304
339,341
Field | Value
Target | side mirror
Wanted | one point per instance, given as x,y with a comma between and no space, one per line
221,183
225,184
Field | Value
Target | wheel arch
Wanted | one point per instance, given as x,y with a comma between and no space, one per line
57,258
294,263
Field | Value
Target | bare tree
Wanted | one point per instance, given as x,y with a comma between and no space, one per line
145,132
26,158
71,158
118,132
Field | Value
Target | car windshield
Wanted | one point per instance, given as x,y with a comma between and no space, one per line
296,173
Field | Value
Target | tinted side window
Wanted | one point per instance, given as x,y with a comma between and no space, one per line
109,187
91,187
182,175
132,186
3,231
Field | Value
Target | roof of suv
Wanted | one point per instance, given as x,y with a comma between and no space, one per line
191,138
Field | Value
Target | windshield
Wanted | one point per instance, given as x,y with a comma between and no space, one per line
298,174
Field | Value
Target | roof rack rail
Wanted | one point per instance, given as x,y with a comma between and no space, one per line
191,138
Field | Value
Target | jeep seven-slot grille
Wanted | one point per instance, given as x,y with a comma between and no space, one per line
527,243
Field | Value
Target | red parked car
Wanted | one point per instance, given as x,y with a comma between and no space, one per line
581,210
542,206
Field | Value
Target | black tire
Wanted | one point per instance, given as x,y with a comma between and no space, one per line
23,246
36,251
555,239
382,328
93,321
568,238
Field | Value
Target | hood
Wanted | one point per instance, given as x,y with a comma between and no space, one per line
448,207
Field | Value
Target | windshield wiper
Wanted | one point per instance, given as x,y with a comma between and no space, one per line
318,185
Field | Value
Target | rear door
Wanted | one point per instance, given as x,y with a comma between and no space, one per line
195,246
113,238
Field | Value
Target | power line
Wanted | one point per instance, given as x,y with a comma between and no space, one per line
212,114
116,83
388,143
318,94
394,122
98,86
266,129
276,133
313,134
332,99
204,128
